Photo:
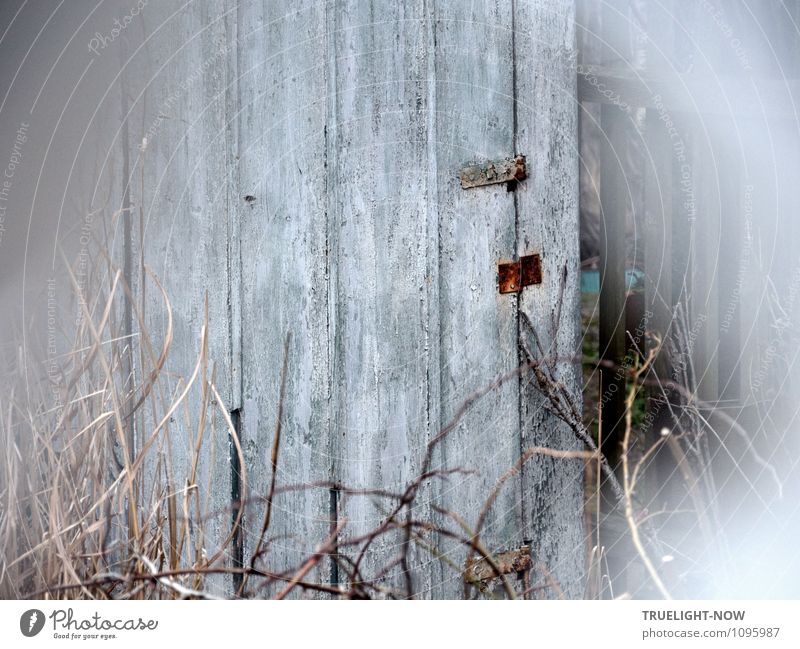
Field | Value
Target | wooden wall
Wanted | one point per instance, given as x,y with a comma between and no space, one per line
301,170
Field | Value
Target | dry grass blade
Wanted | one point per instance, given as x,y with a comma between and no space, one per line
276,444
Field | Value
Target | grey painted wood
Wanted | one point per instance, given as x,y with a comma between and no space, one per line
547,212
280,118
475,122
308,179
377,200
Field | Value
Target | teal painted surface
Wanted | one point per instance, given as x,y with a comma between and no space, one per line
590,280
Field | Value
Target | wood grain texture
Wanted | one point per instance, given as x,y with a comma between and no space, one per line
281,136
547,212
315,190
475,122
377,210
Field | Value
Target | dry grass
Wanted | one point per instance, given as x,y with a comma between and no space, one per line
91,507
106,491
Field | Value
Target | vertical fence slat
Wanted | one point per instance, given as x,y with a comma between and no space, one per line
547,215
705,252
658,234
475,122
281,192
379,212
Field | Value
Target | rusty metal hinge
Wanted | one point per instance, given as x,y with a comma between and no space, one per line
480,571
513,276
509,170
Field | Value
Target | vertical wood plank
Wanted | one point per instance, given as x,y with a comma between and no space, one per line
284,252
475,122
663,146
705,251
615,198
658,234
547,212
380,243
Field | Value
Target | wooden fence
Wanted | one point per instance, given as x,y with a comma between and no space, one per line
300,165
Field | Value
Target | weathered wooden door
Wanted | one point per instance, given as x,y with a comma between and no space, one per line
322,198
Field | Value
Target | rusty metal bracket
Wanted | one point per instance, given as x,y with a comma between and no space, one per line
513,276
509,170
480,571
